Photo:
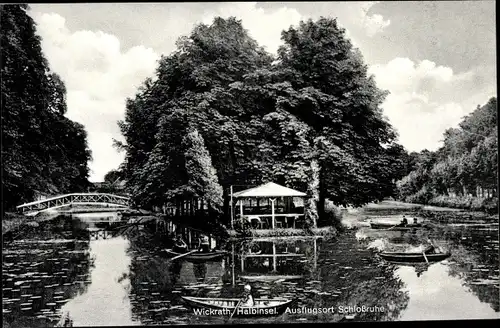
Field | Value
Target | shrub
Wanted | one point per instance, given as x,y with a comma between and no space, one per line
489,205
332,216
423,196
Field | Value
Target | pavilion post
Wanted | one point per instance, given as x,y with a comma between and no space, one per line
232,263
272,212
274,256
232,209
241,209
315,253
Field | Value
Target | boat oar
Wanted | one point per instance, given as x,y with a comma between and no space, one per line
182,255
425,257
235,309
393,226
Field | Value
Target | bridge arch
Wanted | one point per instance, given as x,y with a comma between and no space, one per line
53,203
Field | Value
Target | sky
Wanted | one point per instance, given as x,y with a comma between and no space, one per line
437,59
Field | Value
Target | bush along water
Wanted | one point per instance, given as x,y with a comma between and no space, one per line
458,217
488,205
332,217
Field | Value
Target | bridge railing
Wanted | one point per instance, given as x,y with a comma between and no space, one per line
76,199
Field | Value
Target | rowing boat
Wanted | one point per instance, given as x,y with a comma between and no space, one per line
262,307
269,278
395,226
198,256
413,257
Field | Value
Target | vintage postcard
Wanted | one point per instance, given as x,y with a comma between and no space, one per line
249,163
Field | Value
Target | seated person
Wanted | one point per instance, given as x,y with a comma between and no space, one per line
179,245
204,244
415,221
404,221
247,299
429,249
255,249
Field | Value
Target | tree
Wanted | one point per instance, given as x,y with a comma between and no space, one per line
191,84
42,151
112,176
466,163
332,92
202,175
311,120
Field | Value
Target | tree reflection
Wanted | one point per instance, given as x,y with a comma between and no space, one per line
39,277
474,257
471,262
200,271
363,280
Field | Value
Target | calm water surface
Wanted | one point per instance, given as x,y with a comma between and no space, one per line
126,281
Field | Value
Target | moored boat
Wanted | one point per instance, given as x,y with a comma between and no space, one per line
413,257
395,226
262,307
198,256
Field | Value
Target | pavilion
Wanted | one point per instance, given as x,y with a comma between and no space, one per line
270,205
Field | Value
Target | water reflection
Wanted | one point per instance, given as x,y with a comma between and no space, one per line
357,278
435,295
284,257
106,300
470,275
156,284
125,280
39,277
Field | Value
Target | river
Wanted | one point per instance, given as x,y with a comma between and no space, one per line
124,280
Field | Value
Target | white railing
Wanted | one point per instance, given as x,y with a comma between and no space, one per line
98,199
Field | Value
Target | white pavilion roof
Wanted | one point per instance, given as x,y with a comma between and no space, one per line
269,189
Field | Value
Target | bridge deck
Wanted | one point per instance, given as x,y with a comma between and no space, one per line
93,199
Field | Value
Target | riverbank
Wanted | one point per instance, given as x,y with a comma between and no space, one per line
12,222
389,207
462,203
15,226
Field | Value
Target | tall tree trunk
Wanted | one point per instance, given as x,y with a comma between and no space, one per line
321,204
312,205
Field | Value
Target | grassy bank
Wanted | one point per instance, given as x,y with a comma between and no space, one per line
434,213
12,222
488,205
438,205
459,217
389,207
461,203
15,226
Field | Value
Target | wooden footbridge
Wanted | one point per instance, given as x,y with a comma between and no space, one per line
91,202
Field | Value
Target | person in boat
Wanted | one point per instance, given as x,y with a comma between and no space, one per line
404,221
204,244
170,240
180,245
247,299
429,249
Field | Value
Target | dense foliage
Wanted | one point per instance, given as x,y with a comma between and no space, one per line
462,173
43,152
309,119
